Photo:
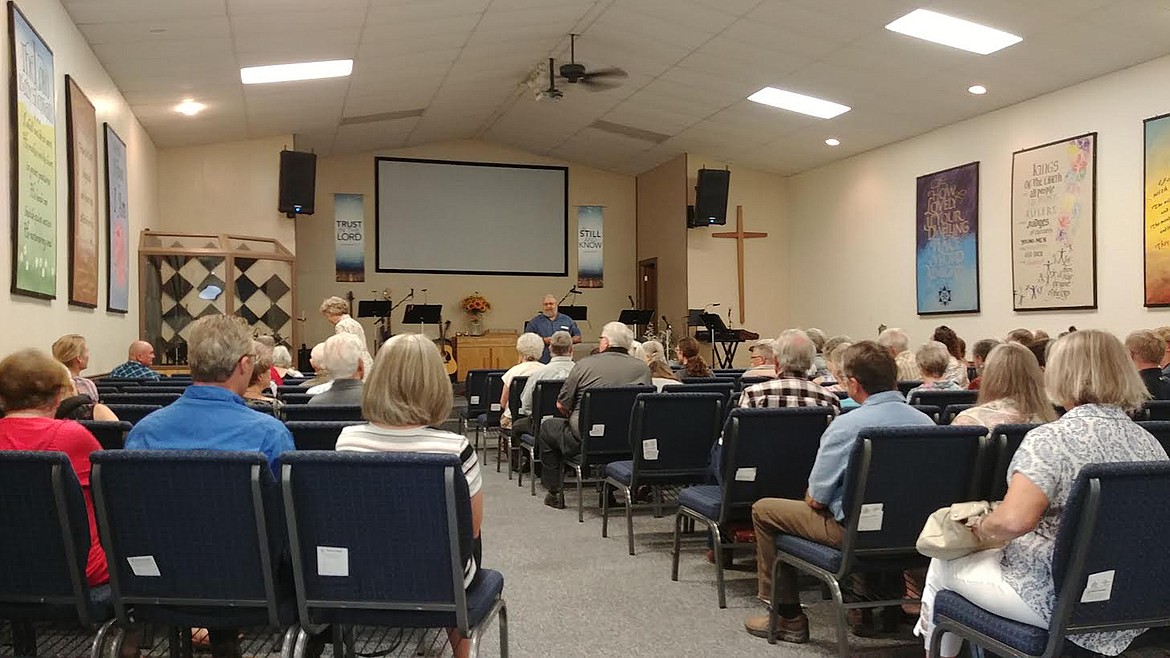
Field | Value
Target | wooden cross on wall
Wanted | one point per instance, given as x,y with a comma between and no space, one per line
739,236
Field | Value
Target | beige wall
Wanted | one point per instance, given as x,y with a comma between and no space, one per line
662,234
514,299
712,272
37,323
231,187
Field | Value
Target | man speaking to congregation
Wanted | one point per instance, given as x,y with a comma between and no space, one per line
549,321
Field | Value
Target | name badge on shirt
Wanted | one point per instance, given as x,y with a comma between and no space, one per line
564,328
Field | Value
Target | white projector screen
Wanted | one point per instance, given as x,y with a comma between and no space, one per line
471,218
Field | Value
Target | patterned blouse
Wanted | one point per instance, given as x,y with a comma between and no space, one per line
957,372
996,412
1051,456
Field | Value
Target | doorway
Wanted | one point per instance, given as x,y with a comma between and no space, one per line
648,291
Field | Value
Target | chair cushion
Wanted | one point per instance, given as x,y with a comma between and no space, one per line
1022,637
481,419
622,471
528,440
706,499
825,557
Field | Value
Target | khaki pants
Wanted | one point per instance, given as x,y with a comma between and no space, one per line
772,516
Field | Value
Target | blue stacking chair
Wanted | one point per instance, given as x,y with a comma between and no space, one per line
1115,521
682,427
110,433
1156,410
158,399
1161,431
906,386
703,380
193,539
930,410
745,382
151,388
318,434
44,547
605,433
396,528
766,453
910,472
1005,440
507,440
490,418
478,402
544,405
942,399
285,389
294,412
132,413
947,416
295,398
725,387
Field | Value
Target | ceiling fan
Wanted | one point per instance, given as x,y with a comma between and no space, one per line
575,73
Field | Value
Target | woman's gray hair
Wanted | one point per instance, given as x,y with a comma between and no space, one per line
334,306
618,335
653,351
530,346
408,384
342,355
933,358
281,358
894,339
214,347
1093,367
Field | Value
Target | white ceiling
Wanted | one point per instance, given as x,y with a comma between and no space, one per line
691,65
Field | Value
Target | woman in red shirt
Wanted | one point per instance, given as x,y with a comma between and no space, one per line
32,384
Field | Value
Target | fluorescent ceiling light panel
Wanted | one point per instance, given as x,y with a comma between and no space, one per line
255,75
953,32
794,102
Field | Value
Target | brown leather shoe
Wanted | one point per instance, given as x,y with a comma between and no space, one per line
787,630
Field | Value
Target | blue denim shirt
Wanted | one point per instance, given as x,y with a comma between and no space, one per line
210,418
545,328
826,482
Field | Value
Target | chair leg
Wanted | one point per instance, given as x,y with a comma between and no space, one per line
288,643
532,479
299,644
605,508
630,519
842,619
24,638
657,502
718,541
678,523
503,629
99,640
580,495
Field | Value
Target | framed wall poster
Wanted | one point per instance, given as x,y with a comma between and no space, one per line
1054,208
33,113
947,241
1157,210
81,138
117,224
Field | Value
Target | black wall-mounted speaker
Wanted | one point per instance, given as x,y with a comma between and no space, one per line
298,182
711,197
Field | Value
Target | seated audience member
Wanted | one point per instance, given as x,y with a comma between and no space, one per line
72,351
1039,334
692,362
530,347
791,387
835,361
268,343
820,368
1011,391
406,394
636,351
1146,350
978,358
559,438
320,373
1164,362
137,366
82,407
1021,336
763,359
1039,349
898,343
660,373
282,361
222,357
933,359
261,379
32,385
871,378
1088,374
342,356
957,349
560,347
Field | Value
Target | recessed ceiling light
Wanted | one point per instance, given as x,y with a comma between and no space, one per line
790,100
833,141
337,68
190,107
953,32
978,90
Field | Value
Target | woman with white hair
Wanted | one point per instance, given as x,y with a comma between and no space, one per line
282,361
933,361
336,311
530,346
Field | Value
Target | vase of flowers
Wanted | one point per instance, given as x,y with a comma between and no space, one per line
475,305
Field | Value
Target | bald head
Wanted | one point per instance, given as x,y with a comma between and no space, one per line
142,352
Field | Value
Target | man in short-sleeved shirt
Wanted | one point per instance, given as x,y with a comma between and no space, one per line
139,358
550,321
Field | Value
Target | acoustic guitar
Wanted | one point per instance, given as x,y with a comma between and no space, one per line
445,349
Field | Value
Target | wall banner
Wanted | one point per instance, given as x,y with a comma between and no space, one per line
350,236
81,136
118,223
589,246
947,242
1157,211
1054,207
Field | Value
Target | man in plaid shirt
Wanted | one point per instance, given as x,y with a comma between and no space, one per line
141,355
791,388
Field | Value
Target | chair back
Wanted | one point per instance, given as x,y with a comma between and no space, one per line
515,390
725,387
475,389
295,398
192,529
1005,440
897,476
704,380
728,372
44,536
744,382
768,453
1110,564
905,386
158,399
283,389
1156,410
930,410
941,399
1161,431
152,388
605,423
318,434
294,412
671,436
397,549
102,389
544,400
950,411
132,413
110,433
493,390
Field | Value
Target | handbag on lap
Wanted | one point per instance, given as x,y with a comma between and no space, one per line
947,534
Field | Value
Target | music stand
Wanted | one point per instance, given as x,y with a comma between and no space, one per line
695,317
423,314
577,313
636,316
373,309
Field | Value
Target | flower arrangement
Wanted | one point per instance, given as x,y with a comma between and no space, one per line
475,304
